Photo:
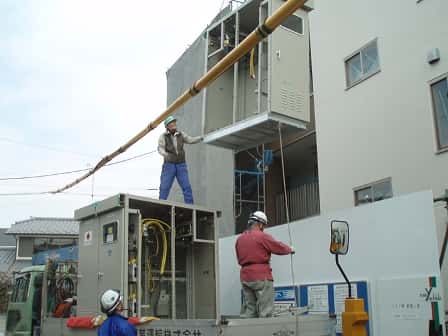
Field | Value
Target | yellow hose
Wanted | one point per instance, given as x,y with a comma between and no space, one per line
160,225
252,64
158,221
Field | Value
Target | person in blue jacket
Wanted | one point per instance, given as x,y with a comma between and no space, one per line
115,325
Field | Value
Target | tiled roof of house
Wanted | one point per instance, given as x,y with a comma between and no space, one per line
45,226
5,239
19,265
7,257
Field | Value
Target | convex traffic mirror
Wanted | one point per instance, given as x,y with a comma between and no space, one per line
339,237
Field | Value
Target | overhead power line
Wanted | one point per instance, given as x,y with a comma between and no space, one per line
48,193
48,148
252,40
72,171
41,193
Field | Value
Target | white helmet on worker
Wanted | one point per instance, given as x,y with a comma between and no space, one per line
259,216
110,300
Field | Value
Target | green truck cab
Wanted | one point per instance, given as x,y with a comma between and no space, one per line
24,308
45,290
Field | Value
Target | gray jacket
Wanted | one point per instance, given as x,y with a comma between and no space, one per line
171,146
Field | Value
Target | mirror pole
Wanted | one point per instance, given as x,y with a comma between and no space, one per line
345,276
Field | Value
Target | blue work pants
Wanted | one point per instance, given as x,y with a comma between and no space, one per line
180,172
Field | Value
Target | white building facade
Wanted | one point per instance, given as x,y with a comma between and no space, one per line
380,75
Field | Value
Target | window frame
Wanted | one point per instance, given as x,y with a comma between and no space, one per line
18,240
74,238
439,148
18,288
371,186
302,22
364,76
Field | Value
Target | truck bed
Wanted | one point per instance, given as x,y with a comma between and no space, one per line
304,325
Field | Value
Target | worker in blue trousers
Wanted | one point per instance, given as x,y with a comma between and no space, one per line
116,324
171,147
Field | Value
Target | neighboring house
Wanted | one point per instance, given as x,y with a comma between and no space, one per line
7,251
40,234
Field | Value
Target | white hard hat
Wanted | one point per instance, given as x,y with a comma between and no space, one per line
110,300
259,216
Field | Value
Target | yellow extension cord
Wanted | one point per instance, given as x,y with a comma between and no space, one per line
252,64
163,227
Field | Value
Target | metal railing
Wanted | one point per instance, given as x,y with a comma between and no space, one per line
303,202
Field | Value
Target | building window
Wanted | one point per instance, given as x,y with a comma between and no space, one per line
44,244
373,192
362,64
439,92
25,247
20,289
294,23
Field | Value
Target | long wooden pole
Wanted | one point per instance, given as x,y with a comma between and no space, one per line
260,33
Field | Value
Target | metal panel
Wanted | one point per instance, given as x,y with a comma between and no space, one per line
97,208
304,325
88,266
262,128
134,219
192,259
204,276
289,64
237,106
303,202
111,256
219,102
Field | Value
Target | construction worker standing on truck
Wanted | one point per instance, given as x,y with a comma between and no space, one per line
253,251
115,324
171,147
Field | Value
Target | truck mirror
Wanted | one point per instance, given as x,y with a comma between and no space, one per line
339,237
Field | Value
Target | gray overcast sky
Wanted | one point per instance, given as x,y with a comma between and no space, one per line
77,80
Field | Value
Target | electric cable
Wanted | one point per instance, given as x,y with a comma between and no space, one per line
286,198
64,173
74,171
252,64
49,193
160,225
3,139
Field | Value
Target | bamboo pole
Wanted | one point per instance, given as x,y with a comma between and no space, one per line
260,33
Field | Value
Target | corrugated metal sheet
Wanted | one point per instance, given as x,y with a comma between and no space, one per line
20,264
303,202
7,257
6,240
45,226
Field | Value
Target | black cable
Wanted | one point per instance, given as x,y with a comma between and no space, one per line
72,171
62,193
3,139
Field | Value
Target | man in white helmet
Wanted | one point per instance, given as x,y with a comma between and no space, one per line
115,324
253,251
